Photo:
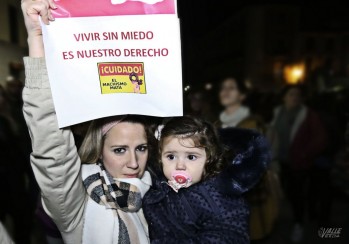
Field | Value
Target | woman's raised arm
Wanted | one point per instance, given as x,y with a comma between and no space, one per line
54,159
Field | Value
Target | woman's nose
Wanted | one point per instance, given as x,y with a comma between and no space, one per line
133,161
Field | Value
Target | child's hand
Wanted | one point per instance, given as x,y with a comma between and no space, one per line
32,9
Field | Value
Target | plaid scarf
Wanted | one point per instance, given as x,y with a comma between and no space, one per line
119,196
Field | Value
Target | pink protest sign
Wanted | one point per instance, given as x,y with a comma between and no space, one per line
71,8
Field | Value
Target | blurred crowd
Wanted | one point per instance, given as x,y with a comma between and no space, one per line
20,191
310,152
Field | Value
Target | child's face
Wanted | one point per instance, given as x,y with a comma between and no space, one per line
181,155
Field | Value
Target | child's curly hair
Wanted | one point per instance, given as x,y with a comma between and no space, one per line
203,135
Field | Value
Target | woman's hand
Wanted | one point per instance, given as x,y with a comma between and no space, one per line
32,9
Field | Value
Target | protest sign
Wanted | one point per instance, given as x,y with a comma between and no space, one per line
112,57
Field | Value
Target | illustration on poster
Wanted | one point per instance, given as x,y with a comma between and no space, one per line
136,82
144,1
122,77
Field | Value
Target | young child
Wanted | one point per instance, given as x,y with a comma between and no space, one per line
199,197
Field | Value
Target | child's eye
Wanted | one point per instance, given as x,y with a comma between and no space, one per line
170,157
142,148
119,150
192,157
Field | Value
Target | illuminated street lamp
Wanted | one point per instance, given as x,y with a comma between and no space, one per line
294,73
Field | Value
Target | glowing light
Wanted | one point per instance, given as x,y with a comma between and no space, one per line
208,86
294,73
187,88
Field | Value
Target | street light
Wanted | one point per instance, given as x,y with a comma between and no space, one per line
294,73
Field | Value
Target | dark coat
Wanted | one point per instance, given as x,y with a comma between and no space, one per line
308,138
212,211
308,143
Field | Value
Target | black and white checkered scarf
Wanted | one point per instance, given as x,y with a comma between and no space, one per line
121,197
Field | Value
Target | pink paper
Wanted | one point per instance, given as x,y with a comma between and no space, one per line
86,8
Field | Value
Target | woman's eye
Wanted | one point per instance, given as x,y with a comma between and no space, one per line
119,150
170,157
192,157
142,148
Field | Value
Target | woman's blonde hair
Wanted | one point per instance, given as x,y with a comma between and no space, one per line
91,148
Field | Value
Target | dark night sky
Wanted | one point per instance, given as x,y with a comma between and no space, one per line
200,17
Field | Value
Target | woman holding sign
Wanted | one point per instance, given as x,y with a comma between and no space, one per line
104,206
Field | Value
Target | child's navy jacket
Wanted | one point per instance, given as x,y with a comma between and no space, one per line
212,211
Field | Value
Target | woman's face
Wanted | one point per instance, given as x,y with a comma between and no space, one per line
293,98
125,150
229,94
196,102
181,155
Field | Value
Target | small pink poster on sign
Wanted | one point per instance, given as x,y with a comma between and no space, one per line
88,8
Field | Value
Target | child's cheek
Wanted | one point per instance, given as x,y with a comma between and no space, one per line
198,173
166,168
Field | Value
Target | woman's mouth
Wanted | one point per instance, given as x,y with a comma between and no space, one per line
131,175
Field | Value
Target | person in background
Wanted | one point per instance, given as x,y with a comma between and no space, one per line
232,95
340,171
12,176
14,88
264,197
4,236
5,109
198,105
300,138
321,195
